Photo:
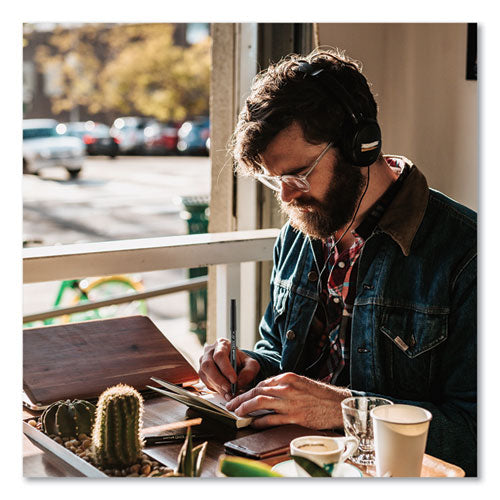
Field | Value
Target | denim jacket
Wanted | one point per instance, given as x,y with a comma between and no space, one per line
413,336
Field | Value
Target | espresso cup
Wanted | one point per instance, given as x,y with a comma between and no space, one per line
400,435
327,452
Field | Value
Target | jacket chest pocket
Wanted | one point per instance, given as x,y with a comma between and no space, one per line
409,345
280,301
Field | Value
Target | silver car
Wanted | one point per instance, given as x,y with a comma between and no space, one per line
45,146
132,132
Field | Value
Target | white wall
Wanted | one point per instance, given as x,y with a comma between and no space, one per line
427,109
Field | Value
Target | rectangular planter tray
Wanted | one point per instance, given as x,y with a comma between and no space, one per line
48,445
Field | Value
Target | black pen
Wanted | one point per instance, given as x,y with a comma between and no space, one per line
173,438
232,326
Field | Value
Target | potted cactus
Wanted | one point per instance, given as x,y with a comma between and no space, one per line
116,438
68,418
109,435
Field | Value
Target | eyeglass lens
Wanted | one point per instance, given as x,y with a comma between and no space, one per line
290,181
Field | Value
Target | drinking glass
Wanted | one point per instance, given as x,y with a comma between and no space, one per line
358,423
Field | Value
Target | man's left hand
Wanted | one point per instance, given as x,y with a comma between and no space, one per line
295,400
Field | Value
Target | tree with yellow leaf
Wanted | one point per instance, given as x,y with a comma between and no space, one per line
129,69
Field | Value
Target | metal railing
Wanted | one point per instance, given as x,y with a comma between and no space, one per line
180,286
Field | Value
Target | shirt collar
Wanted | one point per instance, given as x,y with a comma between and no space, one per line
404,215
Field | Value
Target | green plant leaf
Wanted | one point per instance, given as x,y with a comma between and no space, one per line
314,470
198,457
185,458
233,466
188,464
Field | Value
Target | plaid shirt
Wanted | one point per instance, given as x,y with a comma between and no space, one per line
327,355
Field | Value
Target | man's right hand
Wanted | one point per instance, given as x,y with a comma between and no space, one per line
218,374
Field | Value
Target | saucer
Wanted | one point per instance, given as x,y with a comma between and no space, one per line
287,469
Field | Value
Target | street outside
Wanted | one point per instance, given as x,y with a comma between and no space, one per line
125,198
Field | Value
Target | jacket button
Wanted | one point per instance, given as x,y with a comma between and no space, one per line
363,350
290,335
312,276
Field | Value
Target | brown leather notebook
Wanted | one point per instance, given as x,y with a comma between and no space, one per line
81,360
271,442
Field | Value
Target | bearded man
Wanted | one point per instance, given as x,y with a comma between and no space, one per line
373,289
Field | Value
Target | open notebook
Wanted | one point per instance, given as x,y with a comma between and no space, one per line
212,405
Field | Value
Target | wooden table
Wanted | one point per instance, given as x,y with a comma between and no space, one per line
161,410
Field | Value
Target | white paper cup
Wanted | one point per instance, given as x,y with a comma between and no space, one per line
324,451
400,435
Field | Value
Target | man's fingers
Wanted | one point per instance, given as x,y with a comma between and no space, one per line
211,373
261,402
204,378
221,356
285,379
212,377
235,402
217,372
271,420
252,394
247,372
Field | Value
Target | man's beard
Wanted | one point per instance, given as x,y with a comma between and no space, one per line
323,219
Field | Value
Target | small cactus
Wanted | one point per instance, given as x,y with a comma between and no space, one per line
116,438
68,418
190,459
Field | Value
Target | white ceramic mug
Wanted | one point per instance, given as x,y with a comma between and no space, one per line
325,451
400,435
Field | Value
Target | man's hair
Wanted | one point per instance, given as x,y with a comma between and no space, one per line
282,94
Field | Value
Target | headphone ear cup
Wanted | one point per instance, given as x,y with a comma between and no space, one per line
366,143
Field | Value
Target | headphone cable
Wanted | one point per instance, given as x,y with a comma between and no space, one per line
344,233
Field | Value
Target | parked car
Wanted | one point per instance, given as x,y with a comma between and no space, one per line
96,137
161,138
193,136
129,130
44,145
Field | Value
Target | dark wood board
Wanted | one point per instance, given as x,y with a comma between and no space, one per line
81,360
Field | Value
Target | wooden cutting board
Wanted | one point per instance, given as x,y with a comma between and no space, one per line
81,360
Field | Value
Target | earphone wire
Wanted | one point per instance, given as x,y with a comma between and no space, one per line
335,243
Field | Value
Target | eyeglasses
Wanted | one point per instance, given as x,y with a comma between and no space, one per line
298,182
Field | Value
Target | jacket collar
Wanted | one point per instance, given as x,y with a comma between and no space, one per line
404,215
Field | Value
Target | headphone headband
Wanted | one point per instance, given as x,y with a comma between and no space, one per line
362,145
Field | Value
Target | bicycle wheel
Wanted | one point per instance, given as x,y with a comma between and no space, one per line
68,294
104,288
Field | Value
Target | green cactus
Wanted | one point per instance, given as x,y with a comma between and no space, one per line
190,459
116,438
68,418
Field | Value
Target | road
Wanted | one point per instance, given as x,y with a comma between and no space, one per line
128,197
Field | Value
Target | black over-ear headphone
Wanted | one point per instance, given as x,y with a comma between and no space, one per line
361,145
